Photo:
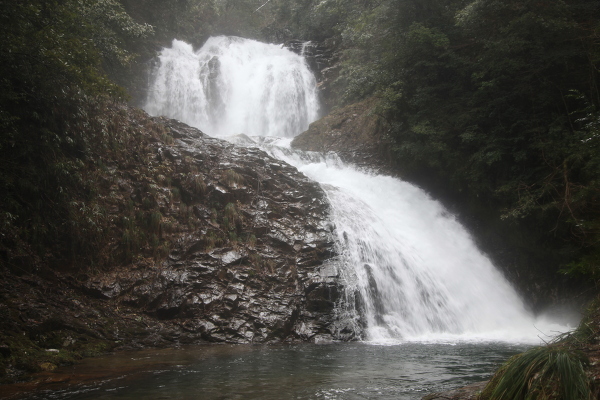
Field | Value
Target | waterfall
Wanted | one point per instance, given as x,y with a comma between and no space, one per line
233,85
411,271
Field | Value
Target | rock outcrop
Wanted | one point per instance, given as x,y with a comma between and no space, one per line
323,59
203,241
354,132
255,267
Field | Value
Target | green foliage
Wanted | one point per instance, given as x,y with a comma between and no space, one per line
551,372
197,184
307,19
213,239
176,193
156,219
111,27
232,223
194,20
57,124
232,213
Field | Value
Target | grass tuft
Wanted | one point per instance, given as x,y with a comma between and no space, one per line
232,178
543,373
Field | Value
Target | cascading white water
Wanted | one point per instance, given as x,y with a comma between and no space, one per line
415,270
233,85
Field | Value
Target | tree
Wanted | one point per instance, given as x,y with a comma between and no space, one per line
52,77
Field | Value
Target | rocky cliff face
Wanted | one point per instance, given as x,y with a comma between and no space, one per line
208,241
255,267
323,59
354,132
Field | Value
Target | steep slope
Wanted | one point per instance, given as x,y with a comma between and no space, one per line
203,241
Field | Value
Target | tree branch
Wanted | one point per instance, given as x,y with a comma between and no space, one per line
262,6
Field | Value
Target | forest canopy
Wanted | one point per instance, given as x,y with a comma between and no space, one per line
55,57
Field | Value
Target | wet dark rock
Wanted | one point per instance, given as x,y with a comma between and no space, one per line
249,270
323,58
355,133
207,241
318,55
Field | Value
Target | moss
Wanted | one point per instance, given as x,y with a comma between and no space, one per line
96,348
46,366
22,356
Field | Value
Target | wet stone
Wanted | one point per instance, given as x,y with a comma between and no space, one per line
239,279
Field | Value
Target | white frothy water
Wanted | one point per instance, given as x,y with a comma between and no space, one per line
412,268
233,85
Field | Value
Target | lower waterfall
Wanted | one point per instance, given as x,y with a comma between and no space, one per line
410,269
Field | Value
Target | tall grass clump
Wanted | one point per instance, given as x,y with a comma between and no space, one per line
232,218
197,184
232,178
550,372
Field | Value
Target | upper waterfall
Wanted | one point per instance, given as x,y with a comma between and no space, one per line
233,85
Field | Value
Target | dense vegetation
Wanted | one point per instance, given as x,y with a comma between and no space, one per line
566,368
498,100
53,96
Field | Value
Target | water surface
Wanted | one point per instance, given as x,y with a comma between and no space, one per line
304,371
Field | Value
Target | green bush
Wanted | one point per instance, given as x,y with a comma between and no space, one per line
542,373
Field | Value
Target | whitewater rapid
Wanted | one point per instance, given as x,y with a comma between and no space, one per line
412,268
